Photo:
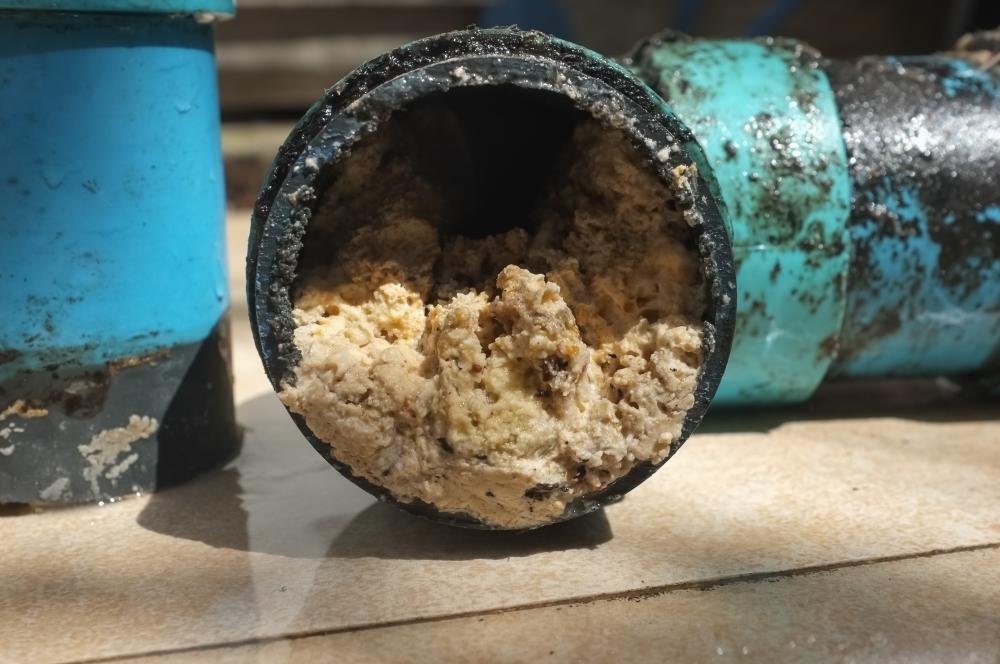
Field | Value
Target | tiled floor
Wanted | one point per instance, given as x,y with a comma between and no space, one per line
937,609
864,527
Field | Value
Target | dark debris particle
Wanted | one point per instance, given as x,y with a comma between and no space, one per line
540,491
775,271
445,445
829,346
85,395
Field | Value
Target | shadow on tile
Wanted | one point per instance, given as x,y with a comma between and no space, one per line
387,532
922,399
208,510
281,498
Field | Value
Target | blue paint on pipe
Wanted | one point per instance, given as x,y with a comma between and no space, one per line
989,214
112,239
924,289
961,78
924,326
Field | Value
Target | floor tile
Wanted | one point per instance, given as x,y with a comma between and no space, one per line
931,609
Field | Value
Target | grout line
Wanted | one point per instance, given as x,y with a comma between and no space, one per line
636,594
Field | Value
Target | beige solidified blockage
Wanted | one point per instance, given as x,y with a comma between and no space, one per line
498,377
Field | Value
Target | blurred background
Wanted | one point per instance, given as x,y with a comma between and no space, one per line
277,56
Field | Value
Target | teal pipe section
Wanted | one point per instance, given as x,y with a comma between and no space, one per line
865,204
765,115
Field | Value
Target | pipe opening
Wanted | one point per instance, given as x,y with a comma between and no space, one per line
498,306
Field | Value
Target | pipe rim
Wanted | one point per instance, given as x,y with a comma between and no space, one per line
371,94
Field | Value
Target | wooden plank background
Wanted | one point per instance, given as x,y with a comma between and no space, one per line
277,56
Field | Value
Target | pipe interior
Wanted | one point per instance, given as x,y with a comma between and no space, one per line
499,306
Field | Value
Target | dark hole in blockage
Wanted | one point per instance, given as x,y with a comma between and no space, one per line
487,152
491,151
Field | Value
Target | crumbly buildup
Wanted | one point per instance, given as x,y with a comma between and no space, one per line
499,377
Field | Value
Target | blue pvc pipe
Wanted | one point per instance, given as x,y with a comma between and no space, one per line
865,202
112,250
111,187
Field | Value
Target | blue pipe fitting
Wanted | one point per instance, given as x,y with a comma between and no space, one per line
114,370
865,203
